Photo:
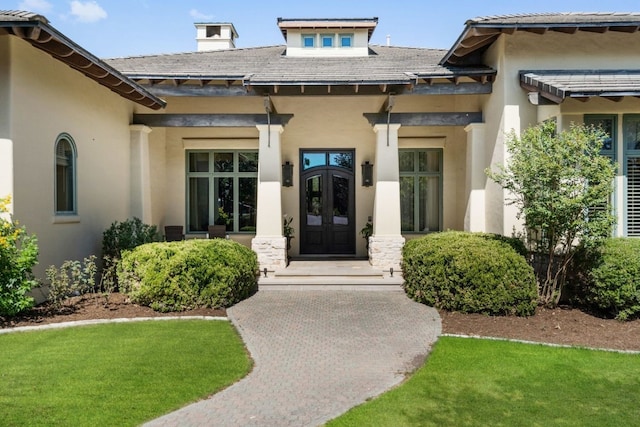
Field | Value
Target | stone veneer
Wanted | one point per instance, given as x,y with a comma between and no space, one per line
386,251
272,252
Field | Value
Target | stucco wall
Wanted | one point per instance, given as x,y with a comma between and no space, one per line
508,107
44,105
319,122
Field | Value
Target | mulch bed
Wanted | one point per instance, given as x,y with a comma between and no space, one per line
559,326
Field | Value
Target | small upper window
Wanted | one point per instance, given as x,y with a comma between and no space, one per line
346,40
327,40
308,40
65,178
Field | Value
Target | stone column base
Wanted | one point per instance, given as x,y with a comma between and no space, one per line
271,251
386,251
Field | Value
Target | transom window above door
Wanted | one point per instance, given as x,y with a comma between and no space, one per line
341,159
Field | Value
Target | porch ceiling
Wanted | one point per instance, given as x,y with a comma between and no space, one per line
557,85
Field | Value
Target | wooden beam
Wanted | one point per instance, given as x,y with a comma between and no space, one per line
426,119
209,120
197,90
474,88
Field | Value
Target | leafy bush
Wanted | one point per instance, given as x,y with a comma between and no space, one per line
18,255
72,278
119,237
469,272
176,276
610,278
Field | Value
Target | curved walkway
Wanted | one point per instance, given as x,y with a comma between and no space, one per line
317,354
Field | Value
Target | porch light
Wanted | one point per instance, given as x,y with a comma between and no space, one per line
287,174
367,174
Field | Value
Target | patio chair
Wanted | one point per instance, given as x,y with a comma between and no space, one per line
217,232
173,233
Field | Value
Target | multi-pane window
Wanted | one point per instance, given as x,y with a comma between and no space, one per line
222,189
608,124
65,175
421,190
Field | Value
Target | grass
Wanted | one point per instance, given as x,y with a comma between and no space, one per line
115,374
471,382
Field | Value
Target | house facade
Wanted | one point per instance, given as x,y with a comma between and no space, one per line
326,129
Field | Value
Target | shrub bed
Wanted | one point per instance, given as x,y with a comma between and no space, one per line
177,276
610,278
470,273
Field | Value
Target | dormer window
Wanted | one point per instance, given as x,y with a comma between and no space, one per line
346,40
327,37
327,40
308,40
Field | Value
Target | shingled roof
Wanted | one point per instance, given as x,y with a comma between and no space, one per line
480,33
36,30
263,66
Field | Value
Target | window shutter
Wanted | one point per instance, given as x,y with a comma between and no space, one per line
633,196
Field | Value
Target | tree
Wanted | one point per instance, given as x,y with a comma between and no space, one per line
562,188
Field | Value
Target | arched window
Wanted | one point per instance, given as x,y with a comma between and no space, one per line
65,178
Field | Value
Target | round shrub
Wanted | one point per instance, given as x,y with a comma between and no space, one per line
177,276
611,278
470,273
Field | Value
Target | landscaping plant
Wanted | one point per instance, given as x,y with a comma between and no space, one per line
18,255
122,236
176,276
71,279
470,273
562,188
609,280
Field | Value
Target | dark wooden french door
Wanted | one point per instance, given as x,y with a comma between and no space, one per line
327,202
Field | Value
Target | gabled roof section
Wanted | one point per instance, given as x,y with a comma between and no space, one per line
36,30
480,33
333,23
557,85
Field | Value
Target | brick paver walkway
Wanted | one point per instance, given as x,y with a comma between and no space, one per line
317,354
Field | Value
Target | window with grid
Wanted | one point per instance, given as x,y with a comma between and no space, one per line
222,188
421,190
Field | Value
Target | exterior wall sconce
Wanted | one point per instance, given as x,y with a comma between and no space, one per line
367,174
287,174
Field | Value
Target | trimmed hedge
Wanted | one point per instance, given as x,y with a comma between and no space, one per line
177,276
470,273
610,278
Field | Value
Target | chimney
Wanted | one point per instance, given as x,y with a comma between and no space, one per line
215,36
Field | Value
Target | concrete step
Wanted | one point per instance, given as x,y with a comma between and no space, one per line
334,275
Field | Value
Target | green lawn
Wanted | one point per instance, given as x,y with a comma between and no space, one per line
472,382
118,374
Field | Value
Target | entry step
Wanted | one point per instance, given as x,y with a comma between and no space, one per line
335,275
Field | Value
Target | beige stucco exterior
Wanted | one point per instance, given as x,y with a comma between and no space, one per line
39,106
508,108
126,169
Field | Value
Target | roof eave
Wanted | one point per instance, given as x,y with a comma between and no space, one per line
46,38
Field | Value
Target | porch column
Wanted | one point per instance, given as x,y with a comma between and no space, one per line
6,171
385,245
474,217
140,173
270,244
